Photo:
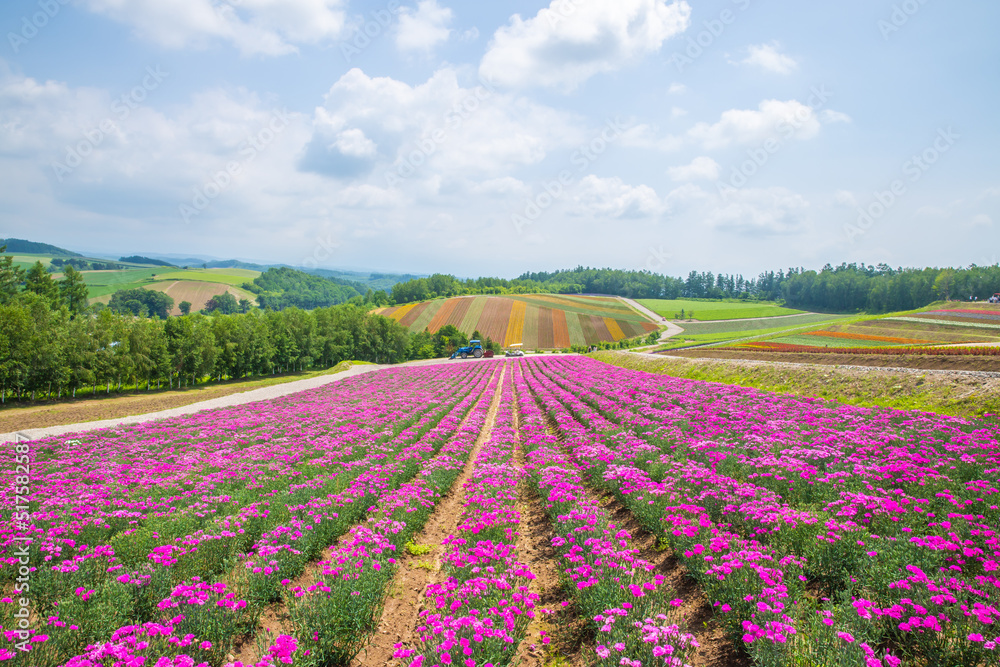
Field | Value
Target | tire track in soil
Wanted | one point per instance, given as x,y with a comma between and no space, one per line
534,549
408,588
716,648
275,618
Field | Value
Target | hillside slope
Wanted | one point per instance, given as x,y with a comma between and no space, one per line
538,321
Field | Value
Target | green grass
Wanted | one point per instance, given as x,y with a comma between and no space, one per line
102,283
234,277
749,326
715,310
687,339
888,390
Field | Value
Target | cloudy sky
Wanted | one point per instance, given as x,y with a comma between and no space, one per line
498,137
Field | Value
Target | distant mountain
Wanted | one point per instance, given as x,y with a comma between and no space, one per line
35,248
374,281
139,259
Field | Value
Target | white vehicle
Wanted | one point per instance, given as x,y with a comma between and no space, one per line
514,350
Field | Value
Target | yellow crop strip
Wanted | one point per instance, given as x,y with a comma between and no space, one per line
402,311
515,327
616,331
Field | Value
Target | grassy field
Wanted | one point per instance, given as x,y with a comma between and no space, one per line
707,311
102,284
962,397
937,324
721,332
234,277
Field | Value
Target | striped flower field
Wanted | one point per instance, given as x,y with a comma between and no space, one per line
796,531
538,321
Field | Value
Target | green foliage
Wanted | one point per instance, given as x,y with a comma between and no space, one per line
224,303
415,549
73,291
277,289
142,302
185,307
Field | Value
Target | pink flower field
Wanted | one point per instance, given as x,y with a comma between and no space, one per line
814,533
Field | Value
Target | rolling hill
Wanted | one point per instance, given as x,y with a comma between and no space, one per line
538,321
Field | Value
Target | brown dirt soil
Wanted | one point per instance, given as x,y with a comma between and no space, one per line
562,626
408,598
915,361
82,410
197,292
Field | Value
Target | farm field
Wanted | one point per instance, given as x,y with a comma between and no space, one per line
704,333
815,533
960,326
196,292
538,321
196,286
714,310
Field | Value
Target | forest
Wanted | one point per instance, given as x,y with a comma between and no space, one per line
842,289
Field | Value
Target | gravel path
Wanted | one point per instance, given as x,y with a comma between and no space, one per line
672,329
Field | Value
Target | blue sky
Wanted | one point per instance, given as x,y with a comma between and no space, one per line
494,138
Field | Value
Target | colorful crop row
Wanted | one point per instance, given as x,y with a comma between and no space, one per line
960,351
868,337
538,321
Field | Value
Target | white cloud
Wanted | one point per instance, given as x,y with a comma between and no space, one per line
572,40
846,199
505,186
435,129
744,126
354,143
677,89
772,119
612,198
367,196
760,211
265,27
423,29
700,168
982,220
770,58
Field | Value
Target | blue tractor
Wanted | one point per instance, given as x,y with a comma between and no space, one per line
475,348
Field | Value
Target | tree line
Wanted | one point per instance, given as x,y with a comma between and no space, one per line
844,288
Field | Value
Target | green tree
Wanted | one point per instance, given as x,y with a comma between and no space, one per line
11,277
39,281
73,290
185,307
224,303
